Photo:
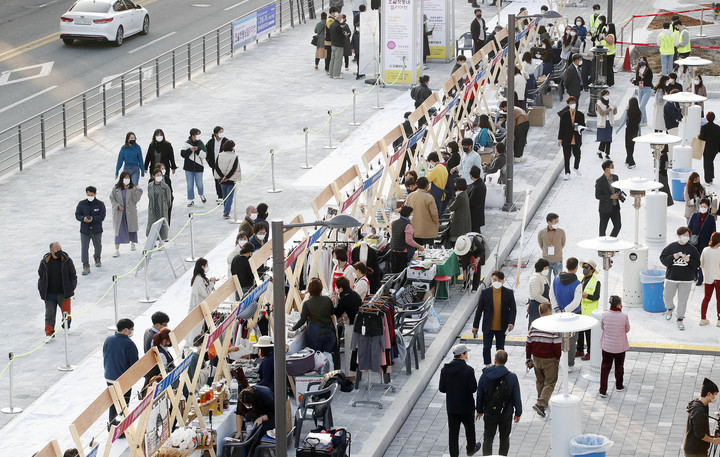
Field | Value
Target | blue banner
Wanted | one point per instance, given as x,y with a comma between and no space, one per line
416,137
373,179
173,376
266,19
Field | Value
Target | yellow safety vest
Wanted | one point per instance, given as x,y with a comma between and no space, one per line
610,47
588,306
594,22
667,44
685,48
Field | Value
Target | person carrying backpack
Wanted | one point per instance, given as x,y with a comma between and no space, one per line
498,402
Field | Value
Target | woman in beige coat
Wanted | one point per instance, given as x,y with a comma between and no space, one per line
124,198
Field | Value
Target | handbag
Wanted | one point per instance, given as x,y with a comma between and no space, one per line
314,40
698,147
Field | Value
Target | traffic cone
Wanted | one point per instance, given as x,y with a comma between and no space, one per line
626,63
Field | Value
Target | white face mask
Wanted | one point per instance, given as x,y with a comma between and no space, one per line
253,216
606,97
578,23
573,33
572,105
159,138
131,334
696,81
90,198
555,226
458,192
703,210
221,135
714,399
126,181
206,269
671,81
496,284
163,171
684,239
241,243
158,178
411,217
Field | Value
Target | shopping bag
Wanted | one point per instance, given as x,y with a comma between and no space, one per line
698,146
433,324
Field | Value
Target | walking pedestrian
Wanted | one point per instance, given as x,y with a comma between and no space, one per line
572,122
552,241
337,45
702,226
214,148
119,354
498,402
427,31
159,201
402,240
573,77
91,214
458,383
710,265
477,191
606,112
692,194
682,37
710,134
227,172
644,81
632,119
320,29
565,297
425,215
539,289
130,155
57,280
681,261
660,92
194,153
608,199
478,30
124,198
166,179
615,326
160,150
667,41
697,431
589,303
542,353
496,307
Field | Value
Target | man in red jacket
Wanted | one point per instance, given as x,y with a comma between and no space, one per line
542,352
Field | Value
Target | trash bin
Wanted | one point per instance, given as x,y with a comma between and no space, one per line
653,284
590,445
678,178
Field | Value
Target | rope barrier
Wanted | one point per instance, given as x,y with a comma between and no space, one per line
652,45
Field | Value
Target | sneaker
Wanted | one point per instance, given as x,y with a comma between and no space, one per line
476,449
680,324
704,322
631,166
117,253
226,215
98,263
607,156
132,246
620,389
572,369
602,394
579,353
218,200
668,315
579,173
540,410
191,203
599,153
203,199
586,357
567,176
86,270
718,323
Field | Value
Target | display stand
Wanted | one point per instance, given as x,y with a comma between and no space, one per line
364,397
155,243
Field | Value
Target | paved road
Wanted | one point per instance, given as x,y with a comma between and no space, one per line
29,37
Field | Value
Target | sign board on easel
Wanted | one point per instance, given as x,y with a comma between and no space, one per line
154,239
157,430
402,41
440,19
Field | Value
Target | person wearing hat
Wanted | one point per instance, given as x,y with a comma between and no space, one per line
267,368
615,326
542,353
458,383
470,250
697,431
589,303
497,303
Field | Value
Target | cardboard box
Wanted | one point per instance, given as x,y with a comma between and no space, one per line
547,100
536,115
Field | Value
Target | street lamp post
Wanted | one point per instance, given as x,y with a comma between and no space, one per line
278,253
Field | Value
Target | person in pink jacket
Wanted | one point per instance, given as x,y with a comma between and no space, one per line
615,326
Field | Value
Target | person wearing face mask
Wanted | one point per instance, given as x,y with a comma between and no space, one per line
572,123
241,268
710,266
124,199
667,41
258,238
661,90
608,41
257,406
566,43
478,30
477,191
402,240
539,290
542,353
194,152
248,224
693,193
521,127
57,281
589,303
644,81
581,30
601,30
615,326
551,240
672,115
698,88
458,383
159,201
337,46
565,297
594,19
341,266
460,221
682,38
681,261
496,306
698,439
608,200
214,148
710,134
573,77
202,286
347,47
240,241
673,83
131,155
166,179
90,212
160,151
702,226
547,56
606,112
227,172
119,354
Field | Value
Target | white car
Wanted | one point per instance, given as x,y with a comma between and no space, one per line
103,20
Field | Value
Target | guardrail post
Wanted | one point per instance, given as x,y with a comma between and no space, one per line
42,135
19,137
232,43
217,42
330,145
140,81
189,62
85,125
702,17
66,327
64,117
12,409
157,78
122,90
306,166
113,327
272,172
104,105
203,53
281,19
292,18
354,122
173,65
632,31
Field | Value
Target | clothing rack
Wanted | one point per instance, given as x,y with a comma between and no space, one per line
368,389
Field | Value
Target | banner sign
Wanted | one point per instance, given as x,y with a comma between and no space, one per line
316,236
445,110
367,184
254,295
244,30
417,137
441,22
399,152
266,20
369,60
402,27
173,376
373,179
120,429
295,254
94,451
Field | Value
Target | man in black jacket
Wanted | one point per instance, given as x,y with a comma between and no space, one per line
710,134
609,199
477,193
478,30
572,123
57,280
681,260
697,431
458,383
91,213
498,305
573,78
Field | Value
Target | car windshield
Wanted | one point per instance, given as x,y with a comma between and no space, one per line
87,6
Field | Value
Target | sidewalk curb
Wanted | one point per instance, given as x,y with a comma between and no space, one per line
406,399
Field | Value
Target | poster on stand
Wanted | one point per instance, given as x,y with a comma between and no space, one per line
244,30
266,20
157,430
369,53
442,23
402,41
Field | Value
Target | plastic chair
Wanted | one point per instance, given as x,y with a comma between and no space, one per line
232,445
267,444
308,405
413,330
467,43
445,280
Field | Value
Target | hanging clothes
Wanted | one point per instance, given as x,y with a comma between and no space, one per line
367,255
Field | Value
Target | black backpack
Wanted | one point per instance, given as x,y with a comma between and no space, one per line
497,396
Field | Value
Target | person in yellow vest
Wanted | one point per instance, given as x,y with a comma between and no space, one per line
588,304
600,31
594,21
667,41
608,41
682,40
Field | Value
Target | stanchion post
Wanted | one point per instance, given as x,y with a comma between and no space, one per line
702,17
354,122
330,145
147,298
377,93
192,257
632,31
113,327
12,409
67,366
272,172
403,71
307,166
235,219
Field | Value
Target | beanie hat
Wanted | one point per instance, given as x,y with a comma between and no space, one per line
709,386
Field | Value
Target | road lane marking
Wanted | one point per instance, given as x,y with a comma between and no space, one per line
152,42
235,5
26,99
44,70
22,48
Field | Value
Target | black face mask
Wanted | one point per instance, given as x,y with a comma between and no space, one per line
466,149
131,142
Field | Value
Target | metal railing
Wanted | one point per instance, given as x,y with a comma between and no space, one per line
56,126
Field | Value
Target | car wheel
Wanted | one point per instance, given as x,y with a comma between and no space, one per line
119,36
68,41
146,25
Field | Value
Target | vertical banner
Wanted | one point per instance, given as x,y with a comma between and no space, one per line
244,30
369,43
402,41
266,20
440,18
